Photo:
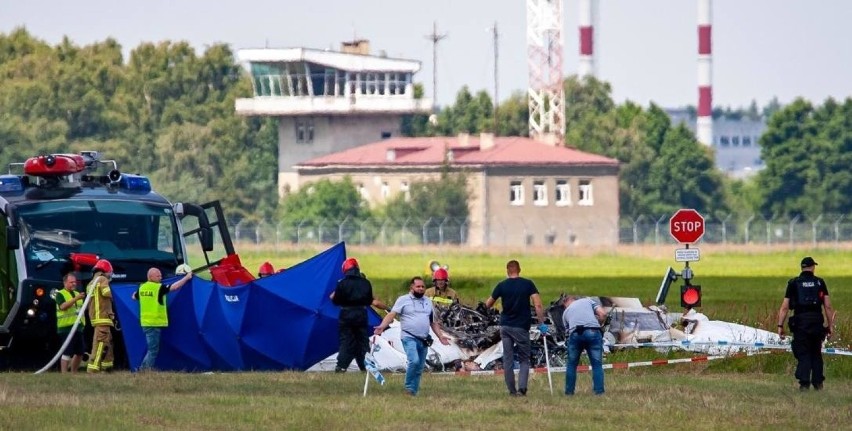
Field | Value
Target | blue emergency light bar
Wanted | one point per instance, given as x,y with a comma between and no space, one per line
135,183
10,183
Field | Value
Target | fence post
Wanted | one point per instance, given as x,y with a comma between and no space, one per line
362,234
423,230
768,231
725,229
657,229
636,228
441,231
404,231
837,230
747,225
814,229
384,231
340,229
299,232
792,224
319,230
462,231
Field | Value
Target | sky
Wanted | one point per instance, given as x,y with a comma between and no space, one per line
647,50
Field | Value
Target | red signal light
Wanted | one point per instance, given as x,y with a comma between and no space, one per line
690,296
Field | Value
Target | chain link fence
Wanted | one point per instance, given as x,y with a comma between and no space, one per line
822,230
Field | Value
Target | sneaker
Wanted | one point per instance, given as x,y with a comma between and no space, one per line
804,388
339,370
522,392
817,386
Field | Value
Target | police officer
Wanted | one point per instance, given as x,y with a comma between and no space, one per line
353,294
153,315
807,296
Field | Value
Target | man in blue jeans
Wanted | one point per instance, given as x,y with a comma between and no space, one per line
153,314
416,317
582,319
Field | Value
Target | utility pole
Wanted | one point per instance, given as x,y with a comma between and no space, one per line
496,81
435,38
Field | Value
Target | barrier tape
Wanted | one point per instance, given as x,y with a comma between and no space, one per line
685,343
587,368
652,363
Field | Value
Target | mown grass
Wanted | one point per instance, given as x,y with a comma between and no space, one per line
755,392
697,396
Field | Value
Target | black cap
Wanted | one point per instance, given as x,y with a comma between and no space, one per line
808,261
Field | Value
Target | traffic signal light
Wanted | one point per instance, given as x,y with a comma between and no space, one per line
690,296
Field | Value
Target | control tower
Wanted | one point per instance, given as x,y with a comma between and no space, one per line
328,101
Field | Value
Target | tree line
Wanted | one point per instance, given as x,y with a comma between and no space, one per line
168,113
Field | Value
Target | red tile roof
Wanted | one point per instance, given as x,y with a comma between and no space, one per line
506,151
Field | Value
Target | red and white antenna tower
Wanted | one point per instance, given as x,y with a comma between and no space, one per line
587,18
705,73
544,60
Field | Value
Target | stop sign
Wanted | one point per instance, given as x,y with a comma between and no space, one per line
686,225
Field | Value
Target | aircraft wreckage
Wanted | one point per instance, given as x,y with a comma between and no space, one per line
475,336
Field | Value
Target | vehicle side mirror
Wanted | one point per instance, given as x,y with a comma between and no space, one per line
205,236
13,238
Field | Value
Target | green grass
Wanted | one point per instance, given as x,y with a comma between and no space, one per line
755,392
699,396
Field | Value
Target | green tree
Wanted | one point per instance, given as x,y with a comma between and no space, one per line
439,199
324,200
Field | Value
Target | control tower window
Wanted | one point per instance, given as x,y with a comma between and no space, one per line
304,131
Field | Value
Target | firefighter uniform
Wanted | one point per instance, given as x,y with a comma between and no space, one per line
101,315
353,294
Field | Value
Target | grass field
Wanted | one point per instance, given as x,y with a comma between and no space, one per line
756,392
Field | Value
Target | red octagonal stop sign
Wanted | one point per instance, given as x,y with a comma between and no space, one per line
686,225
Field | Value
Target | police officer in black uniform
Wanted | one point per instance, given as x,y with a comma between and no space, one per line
353,295
807,296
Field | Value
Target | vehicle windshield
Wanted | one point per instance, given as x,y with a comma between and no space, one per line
133,236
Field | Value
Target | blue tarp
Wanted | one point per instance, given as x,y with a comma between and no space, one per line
282,322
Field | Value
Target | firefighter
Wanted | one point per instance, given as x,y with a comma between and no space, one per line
101,315
441,292
353,294
807,296
68,304
266,269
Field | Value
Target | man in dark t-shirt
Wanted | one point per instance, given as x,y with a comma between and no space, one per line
516,293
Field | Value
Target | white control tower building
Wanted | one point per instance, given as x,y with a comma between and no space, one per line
328,101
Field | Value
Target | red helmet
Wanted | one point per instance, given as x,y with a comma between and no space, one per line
104,266
440,274
265,269
349,264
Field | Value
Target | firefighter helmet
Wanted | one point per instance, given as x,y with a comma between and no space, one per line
265,270
349,264
440,274
104,266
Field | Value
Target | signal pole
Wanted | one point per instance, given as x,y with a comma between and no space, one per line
435,38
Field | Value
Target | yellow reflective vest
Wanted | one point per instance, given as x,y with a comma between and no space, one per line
152,314
65,318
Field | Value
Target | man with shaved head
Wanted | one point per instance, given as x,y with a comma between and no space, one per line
153,315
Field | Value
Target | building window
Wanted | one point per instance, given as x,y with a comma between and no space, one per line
304,131
385,190
516,193
563,193
746,141
586,197
735,141
363,191
539,193
724,141
405,189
